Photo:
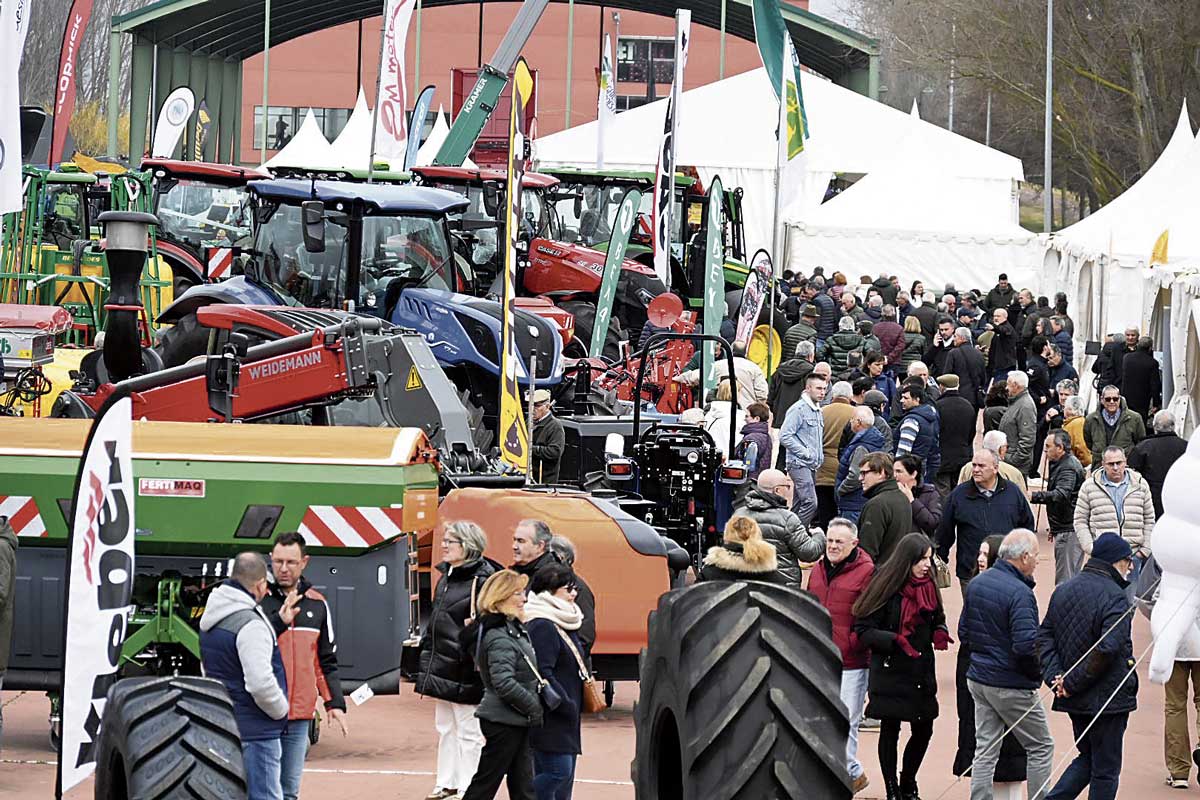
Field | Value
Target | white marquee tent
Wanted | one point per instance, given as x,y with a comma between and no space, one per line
727,128
352,148
308,148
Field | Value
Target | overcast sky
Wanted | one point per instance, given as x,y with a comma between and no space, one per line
828,8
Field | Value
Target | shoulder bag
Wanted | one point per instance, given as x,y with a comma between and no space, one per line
941,572
593,701
551,699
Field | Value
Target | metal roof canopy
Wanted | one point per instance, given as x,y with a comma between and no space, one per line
187,35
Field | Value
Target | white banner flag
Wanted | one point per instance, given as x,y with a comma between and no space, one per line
391,103
172,120
606,102
664,183
99,586
14,24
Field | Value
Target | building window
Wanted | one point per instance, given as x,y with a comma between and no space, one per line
627,101
284,121
646,61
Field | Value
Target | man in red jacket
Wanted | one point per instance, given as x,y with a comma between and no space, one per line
836,581
309,655
891,339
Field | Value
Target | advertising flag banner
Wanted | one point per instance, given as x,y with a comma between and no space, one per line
513,432
172,121
606,102
67,83
664,179
714,284
99,584
420,111
390,139
770,33
203,123
627,214
758,284
14,24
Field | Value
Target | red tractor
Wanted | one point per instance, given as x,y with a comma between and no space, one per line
569,274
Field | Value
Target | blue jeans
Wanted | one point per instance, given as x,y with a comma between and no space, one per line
854,694
262,759
1135,569
804,495
553,775
295,748
1097,768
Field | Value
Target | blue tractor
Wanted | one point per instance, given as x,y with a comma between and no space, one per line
378,250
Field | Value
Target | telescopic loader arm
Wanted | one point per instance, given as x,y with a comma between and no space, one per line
482,100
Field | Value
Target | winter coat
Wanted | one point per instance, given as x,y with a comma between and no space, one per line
887,290
1002,353
900,687
1152,457
786,386
1061,492
937,356
1108,366
838,348
751,383
800,332
238,648
919,433
559,731
503,653
856,313
847,483
8,586
1129,430
914,349
802,435
730,562
926,509
758,433
1040,388
999,622
885,384
828,321
447,669
1095,512
885,520
969,516
716,422
308,648
1141,382
781,528
928,315
891,341
546,447
834,416
999,298
1063,372
1088,608
956,431
836,587
1079,448
1019,424
1065,344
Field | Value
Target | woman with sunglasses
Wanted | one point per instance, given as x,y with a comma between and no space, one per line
901,619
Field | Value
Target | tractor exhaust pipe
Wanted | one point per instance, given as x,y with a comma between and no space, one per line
127,241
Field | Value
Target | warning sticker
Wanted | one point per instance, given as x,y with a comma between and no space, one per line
170,487
414,380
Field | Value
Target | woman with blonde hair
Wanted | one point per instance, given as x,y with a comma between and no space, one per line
744,555
716,419
511,703
914,344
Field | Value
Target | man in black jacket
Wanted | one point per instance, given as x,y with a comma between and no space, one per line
1059,496
887,516
966,362
956,433
1002,352
548,441
1141,379
1155,454
827,322
941,344
1086,648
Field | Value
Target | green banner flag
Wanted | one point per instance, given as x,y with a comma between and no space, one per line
770,33
617,243
714,285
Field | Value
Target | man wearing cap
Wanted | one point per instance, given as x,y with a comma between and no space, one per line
956,434
1100,690
547,441
803,331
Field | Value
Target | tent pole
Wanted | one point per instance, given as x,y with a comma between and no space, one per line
417,56
378,94
721,67
266,77
1048,188
570,56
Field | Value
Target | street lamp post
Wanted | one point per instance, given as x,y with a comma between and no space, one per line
1048,188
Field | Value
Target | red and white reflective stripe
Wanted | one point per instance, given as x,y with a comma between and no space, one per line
219,262
349,526
23,515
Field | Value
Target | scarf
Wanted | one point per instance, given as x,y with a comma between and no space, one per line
562,613
916,598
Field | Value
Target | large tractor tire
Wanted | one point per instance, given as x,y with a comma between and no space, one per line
585,321
169,739
740,698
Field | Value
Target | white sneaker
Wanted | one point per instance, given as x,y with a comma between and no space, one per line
1177,783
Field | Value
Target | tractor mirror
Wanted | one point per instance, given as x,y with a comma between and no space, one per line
614,445
578,205
491,198
313,214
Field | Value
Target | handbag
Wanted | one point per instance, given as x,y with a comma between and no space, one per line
593,701
942,576
551,699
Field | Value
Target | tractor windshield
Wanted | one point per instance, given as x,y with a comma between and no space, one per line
199,213
588,212
402,250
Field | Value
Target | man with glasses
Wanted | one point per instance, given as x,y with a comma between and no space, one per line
1118,500
1112,425
767,504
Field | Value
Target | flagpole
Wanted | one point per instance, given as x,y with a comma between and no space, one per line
266,79
378,92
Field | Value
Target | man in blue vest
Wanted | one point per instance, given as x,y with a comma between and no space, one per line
238,648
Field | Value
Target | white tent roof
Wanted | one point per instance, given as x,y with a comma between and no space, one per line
352,147
433,142
1126,228
308,148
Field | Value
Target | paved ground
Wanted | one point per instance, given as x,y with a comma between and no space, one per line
391,750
